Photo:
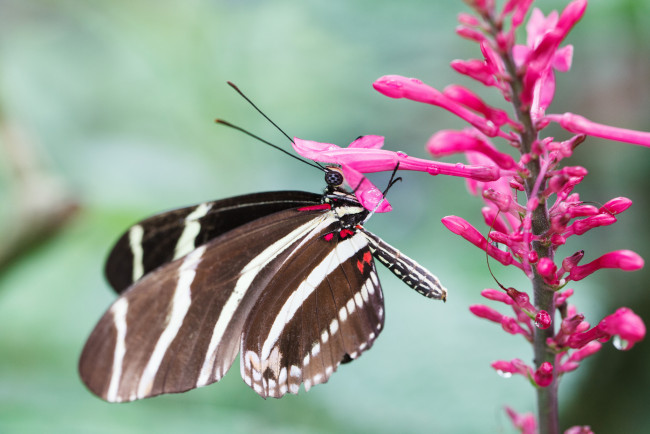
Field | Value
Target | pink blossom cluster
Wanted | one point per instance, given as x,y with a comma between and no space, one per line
531,206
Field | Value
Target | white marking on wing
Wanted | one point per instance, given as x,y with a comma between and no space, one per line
248,274
118,311
135,242
343,250
179,306
187,241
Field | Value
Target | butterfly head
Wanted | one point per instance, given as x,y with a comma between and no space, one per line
333,177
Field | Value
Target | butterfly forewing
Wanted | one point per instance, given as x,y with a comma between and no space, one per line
325,308
164,237
179,327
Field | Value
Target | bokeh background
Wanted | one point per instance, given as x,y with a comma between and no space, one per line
107,117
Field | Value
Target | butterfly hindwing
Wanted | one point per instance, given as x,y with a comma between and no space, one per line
324,308
179,326
167,236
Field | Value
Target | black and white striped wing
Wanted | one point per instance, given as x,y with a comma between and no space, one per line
179,327
324,309
165,237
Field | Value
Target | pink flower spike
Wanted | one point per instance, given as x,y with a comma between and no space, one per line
543,320
626,326
581,125
493,294
396,86
543,376
486,312
616,205
525,423
625,260
448,142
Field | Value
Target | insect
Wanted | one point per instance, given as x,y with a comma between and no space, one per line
285,279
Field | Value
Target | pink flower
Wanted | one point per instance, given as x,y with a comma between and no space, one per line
493,294
365,156
515,366
463,228
626,260
625,325
579,124
396,86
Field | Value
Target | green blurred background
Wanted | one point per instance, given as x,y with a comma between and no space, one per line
116,101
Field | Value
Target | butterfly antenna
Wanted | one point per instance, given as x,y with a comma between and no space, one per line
238,90
248,133
231,84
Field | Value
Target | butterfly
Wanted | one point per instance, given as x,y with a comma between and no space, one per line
286,279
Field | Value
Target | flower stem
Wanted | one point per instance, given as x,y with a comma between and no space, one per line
547,398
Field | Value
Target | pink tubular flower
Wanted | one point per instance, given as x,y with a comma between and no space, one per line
579,124
493,294
463,228
623,324
396,86
365,156
616,205
531,207
625,260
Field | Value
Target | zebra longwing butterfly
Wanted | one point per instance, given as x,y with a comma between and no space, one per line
286,279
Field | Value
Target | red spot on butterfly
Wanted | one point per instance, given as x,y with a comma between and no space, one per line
328,237
322,206
345,233
367,258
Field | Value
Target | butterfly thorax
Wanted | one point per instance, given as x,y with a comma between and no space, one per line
345,206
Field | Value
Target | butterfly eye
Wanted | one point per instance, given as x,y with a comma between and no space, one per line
333,178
